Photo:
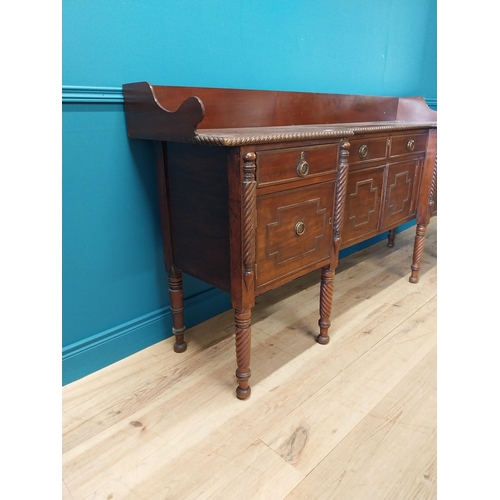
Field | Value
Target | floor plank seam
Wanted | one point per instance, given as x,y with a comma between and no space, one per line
379,343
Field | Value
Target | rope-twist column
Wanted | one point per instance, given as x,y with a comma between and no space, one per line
249,194
432,196
243,312
340,195
418,248
328,272
325,304
243,348
418,251
177,308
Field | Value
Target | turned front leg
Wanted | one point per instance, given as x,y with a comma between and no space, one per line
177,308
418,251
243,347
325,304
391,236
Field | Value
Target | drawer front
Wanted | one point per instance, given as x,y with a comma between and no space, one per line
294,232
294,164
363,203
368,149
401,193
408,144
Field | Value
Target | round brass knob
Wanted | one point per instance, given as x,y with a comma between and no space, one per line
300,228
302,168
363,151
410,145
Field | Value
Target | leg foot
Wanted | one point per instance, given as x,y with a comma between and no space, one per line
391,236
179,346
177,308
325,304
243,393
322,339
243,349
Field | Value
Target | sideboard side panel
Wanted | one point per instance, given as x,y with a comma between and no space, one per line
198,192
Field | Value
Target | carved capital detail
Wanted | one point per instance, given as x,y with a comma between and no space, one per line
248,218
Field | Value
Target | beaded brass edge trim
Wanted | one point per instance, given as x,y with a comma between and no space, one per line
392,128
260,139
214,140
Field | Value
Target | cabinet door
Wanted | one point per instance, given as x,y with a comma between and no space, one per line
294,233
363,203
400,193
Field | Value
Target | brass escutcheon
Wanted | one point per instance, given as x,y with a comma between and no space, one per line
300,228
410,145
363,151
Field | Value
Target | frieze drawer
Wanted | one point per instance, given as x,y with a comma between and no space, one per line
368,149
294,164
407,144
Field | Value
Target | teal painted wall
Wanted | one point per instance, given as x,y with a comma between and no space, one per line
115,294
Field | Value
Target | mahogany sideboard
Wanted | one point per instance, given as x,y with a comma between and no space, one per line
257,188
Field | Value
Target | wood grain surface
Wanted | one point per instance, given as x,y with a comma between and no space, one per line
355,419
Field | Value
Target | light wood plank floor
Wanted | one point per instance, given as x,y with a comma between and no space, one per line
355,419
